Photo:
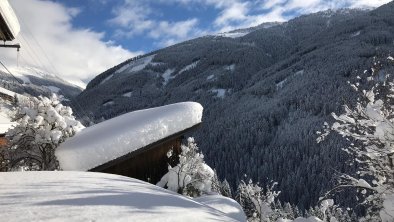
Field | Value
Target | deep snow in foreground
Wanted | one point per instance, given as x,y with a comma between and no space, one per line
108,140
227,205
87,196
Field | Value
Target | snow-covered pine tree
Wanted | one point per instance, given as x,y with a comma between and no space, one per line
191,176
216,185
225,189
369,127
42,124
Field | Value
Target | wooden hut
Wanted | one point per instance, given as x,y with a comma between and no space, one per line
134,144
148,163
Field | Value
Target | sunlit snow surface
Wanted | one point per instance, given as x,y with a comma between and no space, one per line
108,140
87,196
227,205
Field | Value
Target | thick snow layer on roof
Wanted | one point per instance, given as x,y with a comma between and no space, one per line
108,140
6,111
5,122
10,18
226,205
7,92
87,196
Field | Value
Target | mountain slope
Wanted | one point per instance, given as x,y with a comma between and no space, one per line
265,94
37,82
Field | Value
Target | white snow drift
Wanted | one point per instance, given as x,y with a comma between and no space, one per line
108,140
87,196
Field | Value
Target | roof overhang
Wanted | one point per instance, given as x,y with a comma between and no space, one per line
9,24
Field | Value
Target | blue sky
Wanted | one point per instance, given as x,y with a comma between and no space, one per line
78,39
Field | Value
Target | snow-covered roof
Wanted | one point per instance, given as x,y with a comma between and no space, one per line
5,122
88,196
7,92
114,138
11,21
6,111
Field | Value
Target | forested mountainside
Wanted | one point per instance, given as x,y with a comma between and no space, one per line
265,92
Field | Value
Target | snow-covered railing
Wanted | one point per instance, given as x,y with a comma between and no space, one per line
114,138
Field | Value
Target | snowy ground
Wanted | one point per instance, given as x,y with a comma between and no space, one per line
224,204
87,196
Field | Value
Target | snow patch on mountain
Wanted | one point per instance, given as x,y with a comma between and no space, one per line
242,32
230,68
220,93
167,76
233,34
281,84
136,65
109,103
107,78
355,34
54,89
127,94
189,67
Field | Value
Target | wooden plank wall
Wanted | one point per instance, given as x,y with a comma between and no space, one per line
149,166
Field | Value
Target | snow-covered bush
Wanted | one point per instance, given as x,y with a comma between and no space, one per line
327,211
191,176
42,124
257,202
369,127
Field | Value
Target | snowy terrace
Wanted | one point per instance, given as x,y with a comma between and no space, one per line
125,134
87,196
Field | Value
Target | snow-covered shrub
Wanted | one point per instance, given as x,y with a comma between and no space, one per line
42,124
257,202
191,176
369,127
327,211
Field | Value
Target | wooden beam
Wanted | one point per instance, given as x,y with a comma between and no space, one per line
17,46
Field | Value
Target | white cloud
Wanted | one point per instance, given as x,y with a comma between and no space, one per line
368,3
134,18
50,42
236,11
236,14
